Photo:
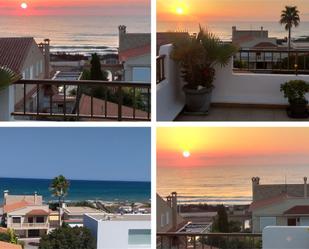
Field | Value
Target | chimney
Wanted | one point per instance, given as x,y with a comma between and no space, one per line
169,201
5,194
233,33
122,29
255,183
47,58
262,29
35,198
174,209
305,188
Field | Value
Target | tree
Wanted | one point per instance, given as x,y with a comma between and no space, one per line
7,77
222,220
59,188
68,238
289,18
95,71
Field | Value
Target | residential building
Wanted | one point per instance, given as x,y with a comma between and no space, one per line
28,59
168,218
26,214
120,231
135,55
279,205
73,216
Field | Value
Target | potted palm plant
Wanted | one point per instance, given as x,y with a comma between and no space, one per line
7,77
295,91
198,56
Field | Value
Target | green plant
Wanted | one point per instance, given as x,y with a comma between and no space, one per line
199,55
295,91
7,77
290,17
68,238
59,188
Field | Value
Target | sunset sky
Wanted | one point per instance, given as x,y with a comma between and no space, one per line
209,147
75,7
220,10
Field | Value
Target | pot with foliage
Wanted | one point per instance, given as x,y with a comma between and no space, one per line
295,91
198,56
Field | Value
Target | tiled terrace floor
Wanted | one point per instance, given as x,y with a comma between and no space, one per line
239,114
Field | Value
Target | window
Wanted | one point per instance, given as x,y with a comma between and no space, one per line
40,219
16,220
292,221
141,74
267,221
167,218
139,237
162,220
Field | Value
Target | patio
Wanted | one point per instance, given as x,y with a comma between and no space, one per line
239,114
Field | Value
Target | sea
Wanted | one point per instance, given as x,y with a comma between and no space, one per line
74,34
230,185
81,190
223,29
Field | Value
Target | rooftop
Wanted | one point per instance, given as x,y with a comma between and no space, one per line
299,210
14,51
81,210
119,217
4,245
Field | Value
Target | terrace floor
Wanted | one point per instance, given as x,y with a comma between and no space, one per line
239,114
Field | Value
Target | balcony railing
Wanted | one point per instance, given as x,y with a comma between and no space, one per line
82,100
160,68
28,225
272,61
209,241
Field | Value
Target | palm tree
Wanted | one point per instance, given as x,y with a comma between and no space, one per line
59,188
290,18
7,77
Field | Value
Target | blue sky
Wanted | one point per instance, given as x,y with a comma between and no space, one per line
77,153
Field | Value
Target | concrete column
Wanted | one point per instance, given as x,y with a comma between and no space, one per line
7,97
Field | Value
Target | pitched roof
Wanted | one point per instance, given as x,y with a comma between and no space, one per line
129,41
268,201
265,45
112,108
302,209
14,51
38,212
5,245
14,206
134,52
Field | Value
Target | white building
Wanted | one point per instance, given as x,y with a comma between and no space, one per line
135,54
120,231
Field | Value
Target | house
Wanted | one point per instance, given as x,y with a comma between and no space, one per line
168,218
120,231
164,38
135,55
279,205
26,214
73,216
28,59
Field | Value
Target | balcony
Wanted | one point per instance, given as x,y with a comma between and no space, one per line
209,241
24,226
247,89
65,100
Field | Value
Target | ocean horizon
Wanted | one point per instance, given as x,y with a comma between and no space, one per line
229,185
74,34
223,29
80,190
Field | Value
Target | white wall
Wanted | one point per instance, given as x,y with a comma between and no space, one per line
139,61
230,87
170,97
113,234
250,88
7,98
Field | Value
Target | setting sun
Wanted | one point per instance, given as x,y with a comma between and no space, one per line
24,6
179,10
186,154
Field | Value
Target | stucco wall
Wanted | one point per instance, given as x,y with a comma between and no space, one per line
139,61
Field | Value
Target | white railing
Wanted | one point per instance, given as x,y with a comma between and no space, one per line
28,225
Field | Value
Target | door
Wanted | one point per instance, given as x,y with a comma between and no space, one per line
33,233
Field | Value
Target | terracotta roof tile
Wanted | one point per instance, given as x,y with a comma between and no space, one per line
14,51
298,210
112,108
14,206
38,212
4,245
268,201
